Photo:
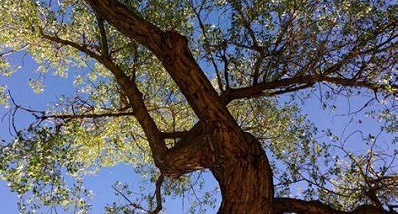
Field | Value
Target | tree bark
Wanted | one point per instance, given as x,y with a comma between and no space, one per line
245,180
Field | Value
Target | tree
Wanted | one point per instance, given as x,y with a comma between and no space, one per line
147,92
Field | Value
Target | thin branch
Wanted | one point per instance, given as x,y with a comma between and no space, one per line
207,44
41,115
75,45
158,193
11,51
135,205
83,116
238,8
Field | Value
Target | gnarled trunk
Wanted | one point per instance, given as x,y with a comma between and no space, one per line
245,180
237,161
245,186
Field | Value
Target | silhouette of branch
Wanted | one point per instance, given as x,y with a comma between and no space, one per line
158,194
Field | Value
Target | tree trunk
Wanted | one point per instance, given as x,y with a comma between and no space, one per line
245,180
236,159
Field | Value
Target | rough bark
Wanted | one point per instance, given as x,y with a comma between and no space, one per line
245,180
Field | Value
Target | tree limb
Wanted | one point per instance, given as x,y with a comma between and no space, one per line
257,90
283,205
104,40
190,153
82,116
157,144
75,45
158,195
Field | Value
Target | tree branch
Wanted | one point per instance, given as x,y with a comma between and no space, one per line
157,144
158,195
298,81
206,44
355,83
190,153
75,45
82,116
130,203
104,40
283,205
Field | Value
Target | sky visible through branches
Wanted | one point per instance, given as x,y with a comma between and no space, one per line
325,89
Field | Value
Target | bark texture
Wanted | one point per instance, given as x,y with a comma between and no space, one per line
245,180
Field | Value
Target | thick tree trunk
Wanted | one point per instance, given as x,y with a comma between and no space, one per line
236,159
245,180
245,187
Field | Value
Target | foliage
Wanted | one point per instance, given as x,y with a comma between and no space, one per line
324,48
